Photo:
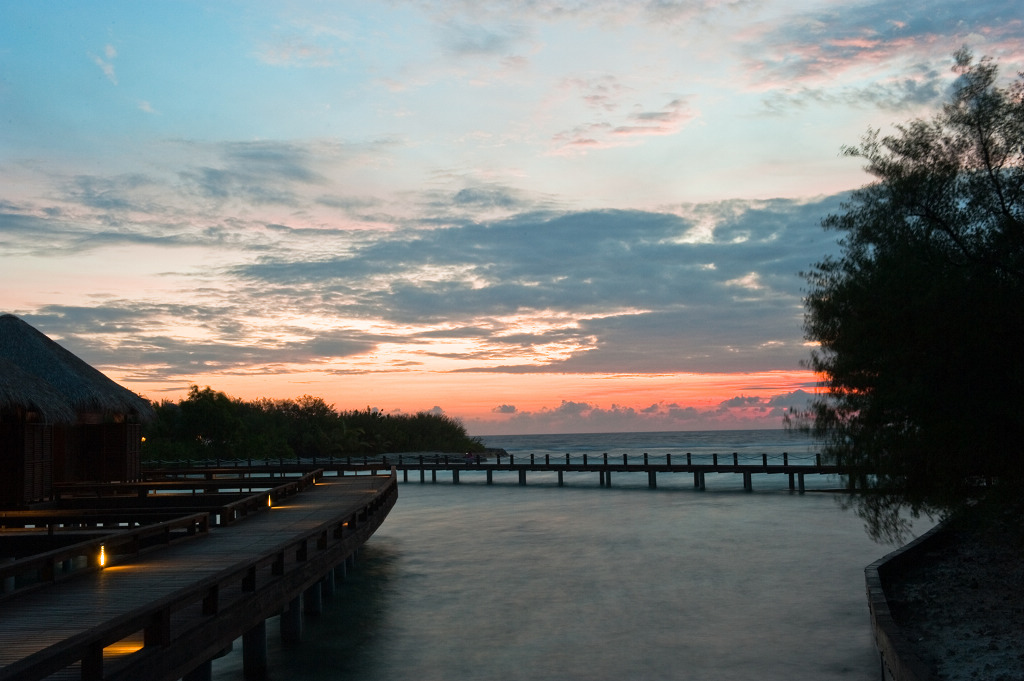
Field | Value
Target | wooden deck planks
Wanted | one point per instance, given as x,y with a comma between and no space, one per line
38,619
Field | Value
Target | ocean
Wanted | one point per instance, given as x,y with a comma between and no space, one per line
502,582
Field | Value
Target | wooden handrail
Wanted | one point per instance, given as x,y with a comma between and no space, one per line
111,544
87,646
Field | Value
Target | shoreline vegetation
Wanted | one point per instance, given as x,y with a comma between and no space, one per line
208,423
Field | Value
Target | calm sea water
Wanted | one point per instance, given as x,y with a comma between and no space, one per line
502,582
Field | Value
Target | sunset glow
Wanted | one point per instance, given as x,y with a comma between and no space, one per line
550,217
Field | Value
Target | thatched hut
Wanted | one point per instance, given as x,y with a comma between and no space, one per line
55,408
29,409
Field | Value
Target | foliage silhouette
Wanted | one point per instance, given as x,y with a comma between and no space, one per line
209,424
920,319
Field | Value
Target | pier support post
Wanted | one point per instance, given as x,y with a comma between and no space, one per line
702,485
254,653
608,479
291,622
405,475
748,485
455,476
490,477
423,475
792,484
433,475
696,479
652,479
327,584
8,583
561,483
801,476
522,476
313,599
204,672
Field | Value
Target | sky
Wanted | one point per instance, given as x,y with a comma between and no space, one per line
579,216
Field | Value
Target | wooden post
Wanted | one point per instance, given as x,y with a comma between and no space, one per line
92,663
714,459
313,599
490,476
652,479
433,475
792,484
702,484
405,475
785,458
423,474
204,672
801,476
522,476
455,476
696,479
327,584
748,485
735,459
158,632
645,458
8,584
764,460
560,482
254,653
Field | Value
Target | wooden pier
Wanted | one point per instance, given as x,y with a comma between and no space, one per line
138,599
425,466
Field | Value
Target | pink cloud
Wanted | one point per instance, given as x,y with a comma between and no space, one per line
668,120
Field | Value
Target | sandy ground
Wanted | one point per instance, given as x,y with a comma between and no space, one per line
964,604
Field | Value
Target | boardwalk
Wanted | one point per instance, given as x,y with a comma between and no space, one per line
189,601
796,468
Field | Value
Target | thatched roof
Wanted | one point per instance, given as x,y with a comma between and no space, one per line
20,389
81,387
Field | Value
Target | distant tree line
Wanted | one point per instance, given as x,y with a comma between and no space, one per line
209,423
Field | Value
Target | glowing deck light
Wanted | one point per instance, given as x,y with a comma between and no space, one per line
103,555
270,501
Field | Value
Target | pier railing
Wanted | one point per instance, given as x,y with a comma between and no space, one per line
699,465
235,598
130,530
95,553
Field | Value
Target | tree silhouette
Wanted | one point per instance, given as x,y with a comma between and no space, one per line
920,319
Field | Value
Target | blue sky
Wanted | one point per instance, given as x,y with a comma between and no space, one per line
535,216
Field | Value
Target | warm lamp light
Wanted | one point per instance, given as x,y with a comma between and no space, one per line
103,555
270,500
